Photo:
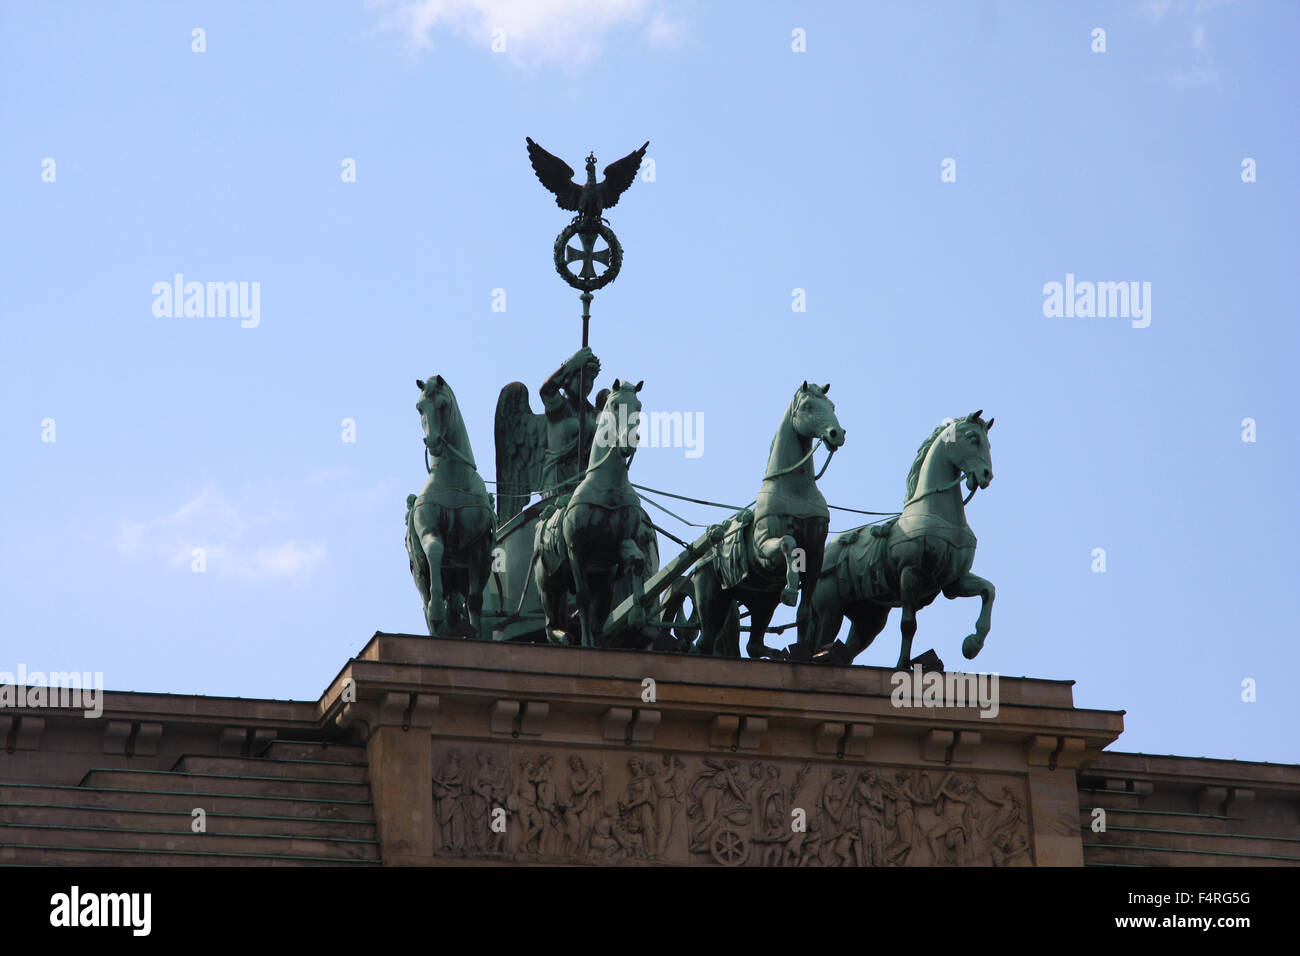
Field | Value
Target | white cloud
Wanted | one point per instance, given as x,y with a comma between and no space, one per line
1202,71
534,30
664,32
211,522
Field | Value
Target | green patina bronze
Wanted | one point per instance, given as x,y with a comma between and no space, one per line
449,523
583,547
581,564
769,553
910,560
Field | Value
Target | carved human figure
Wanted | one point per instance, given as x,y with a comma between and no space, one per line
637,806
524,804
910,790
667,800
582,806
479,801
449,808
869,801
804,848
839,832
1008,837
549,811
719,795
950,837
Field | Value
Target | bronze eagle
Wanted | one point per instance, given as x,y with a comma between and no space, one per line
592,198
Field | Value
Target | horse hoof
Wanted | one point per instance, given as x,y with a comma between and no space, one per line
972,646
790,596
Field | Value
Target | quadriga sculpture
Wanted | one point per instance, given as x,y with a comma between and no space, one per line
768,554
908,561
449,524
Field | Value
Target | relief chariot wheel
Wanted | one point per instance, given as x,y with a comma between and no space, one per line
729,847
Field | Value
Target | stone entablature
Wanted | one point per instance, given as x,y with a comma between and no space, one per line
696,759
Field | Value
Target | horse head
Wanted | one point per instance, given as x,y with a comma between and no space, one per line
813,415
619,419
439,413
967,443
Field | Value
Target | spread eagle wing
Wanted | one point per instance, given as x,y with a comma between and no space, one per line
557,176
619,175
521,450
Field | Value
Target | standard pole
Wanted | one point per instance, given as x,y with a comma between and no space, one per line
582,382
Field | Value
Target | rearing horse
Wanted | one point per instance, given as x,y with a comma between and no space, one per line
592,541
908,561
769,555
450,523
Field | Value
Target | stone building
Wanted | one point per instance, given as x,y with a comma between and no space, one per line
427,751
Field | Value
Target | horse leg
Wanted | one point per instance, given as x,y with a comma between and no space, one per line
761,609
420,569
970,585
480,569
792,556
581,594
710,606
807,633
552,590
909,581
631,559
827,615
435,611
866,620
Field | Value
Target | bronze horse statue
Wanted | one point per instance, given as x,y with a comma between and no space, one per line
449,524
908,561
773,553
592,541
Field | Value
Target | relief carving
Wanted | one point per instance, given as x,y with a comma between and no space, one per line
615,807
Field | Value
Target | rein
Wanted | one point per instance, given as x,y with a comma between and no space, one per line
446,446
945,487
802,461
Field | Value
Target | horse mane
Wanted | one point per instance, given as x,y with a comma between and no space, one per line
789,413
914,475
460,421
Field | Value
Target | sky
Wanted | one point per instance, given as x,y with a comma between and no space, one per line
913,176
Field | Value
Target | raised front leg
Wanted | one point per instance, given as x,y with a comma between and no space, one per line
787,547
969,585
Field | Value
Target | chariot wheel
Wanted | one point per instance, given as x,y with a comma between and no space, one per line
728,847
685,627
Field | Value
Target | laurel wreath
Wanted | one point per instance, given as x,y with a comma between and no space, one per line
615,258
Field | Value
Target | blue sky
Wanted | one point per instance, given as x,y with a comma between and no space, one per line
775,170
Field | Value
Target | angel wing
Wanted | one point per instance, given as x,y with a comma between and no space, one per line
521,450
557,176
619,175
